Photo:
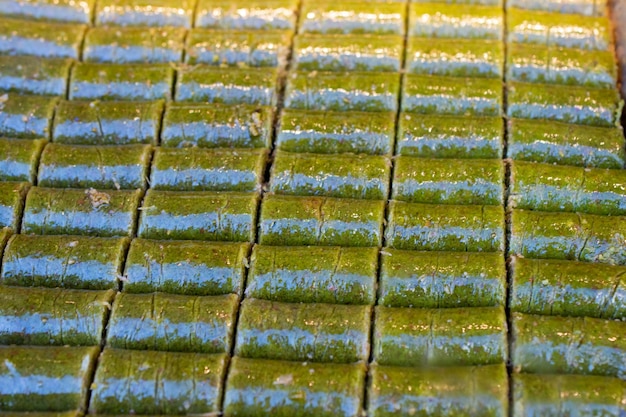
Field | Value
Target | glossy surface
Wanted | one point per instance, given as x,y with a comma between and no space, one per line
349,176
440,337
327,16
455,57
90,212
37,378
596,107
175,323
310,274
434,136
451,391
568,345
77,11
567,288
303,332
33,75
323,221
334,132
560,30
448,181
26,117
347,53
78,166
107,123
582,7
41,39
247,14
456,21
208,84
197,169
452,96
569,236
217,216
148,382
293,389
12,195
445,227
53,316
157,13
216,126
19,159
121,82
337,91
441,279
78,262
477,2
552,65
237,48
185,267
556,395
134,45
567,144
547,187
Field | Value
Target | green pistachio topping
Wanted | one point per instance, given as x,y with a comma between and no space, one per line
12,196
41,39
217,126
107,122
313,274
441,279
210,84
568,345
558,395
157,13
157,383
433,227
450,391
448,181
33,75
78,262
304,388
175,323
349,176
253,15
567,288
452,95
559,30
350,17
323,221
69,11
19,159
202,215
53,316
548,187
136,82
564,143
87,212
456,21
197,169
569,236
80,166
26,117
435,136
440,337
134,45
338,91
348,53
579,105
237,48
63,376
336,132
